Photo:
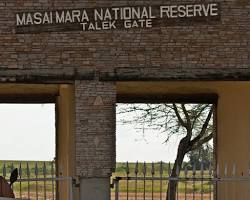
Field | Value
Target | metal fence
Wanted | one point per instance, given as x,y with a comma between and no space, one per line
37,180
141,181
137,181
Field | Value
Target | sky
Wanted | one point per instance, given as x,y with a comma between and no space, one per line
28,133
132,145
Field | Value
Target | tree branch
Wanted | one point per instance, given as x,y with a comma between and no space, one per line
189,128
201,142
199,114
178,116
204,128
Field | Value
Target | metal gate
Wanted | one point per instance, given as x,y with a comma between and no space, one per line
37,180
144,182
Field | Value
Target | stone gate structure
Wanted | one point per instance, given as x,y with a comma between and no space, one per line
87,55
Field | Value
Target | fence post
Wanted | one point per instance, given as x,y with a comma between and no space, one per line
116,182
71,188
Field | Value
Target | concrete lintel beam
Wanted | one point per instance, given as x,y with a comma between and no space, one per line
46,75
175,74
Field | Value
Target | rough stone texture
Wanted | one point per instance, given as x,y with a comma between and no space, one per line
95,128
95,188
195,51
221,44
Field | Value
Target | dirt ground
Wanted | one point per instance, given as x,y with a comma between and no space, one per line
157,196
34,197
140,196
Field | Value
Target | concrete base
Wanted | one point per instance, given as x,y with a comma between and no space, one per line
94,188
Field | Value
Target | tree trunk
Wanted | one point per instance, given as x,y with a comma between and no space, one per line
172,185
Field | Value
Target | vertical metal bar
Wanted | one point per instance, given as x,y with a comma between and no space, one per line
70,188
185,174
136,174
248,174
4,170
202,179
177,183
217,176
36,175
211,182
226,183
44,183
52,182
11,169
144,171
116,181
234,175
28,176
127,172
169,179
153,173
177,190
194,173
161,174
20,177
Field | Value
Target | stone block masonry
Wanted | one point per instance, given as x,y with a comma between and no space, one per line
194,45
95,128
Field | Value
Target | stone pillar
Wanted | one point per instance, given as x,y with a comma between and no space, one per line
95,189
95,137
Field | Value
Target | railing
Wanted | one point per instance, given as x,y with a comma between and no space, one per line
37,180
46,190
141,181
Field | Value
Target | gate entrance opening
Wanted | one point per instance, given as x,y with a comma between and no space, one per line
190,125
28,144
61,96
232,116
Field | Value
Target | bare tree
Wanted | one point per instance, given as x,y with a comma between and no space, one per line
193,122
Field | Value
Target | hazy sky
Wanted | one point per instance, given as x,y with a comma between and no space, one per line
28,133
132,145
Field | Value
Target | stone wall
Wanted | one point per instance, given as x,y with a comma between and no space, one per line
95,128
222,44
